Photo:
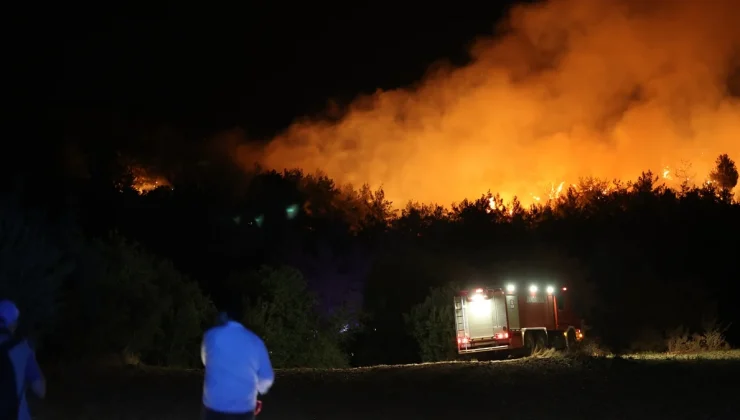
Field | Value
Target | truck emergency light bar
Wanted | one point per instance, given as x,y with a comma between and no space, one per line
511,288
481,293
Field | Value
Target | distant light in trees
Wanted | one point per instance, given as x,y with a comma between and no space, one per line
292,211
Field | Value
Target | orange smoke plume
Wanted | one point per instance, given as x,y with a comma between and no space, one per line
570,88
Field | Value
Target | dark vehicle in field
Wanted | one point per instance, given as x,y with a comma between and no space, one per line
502,318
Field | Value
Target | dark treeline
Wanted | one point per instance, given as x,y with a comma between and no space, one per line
332,275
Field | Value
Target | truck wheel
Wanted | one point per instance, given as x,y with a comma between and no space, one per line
529,343
540,341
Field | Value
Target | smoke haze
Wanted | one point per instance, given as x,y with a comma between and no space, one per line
569,89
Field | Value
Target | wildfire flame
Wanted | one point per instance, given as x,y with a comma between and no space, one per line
667,173
145,181
572,88
555,192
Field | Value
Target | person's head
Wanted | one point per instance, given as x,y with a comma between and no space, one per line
231,309
9,314
222,318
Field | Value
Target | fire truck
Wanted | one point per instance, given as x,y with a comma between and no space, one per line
503,318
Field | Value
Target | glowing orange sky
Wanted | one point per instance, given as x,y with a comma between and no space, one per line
573,88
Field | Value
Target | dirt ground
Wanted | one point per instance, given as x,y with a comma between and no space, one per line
657,387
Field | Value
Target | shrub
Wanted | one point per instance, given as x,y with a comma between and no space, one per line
285,315
32,268
711,338
680,341
591,348
142,308
431,324
714,340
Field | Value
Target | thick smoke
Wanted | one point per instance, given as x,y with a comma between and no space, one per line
571,88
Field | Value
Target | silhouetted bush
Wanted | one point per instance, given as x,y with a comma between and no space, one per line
432,322
285,315
710,338
140,307
32,268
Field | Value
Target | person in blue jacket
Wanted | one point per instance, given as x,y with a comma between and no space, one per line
237,369
18,367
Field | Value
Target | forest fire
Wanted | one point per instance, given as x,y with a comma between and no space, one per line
573,88
145,181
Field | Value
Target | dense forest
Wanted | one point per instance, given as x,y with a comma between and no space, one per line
333,275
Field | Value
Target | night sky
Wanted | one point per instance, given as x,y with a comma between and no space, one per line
206,68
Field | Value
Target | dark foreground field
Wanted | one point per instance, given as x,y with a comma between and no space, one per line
548,388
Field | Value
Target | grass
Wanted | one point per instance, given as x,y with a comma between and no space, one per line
728,355
549,385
